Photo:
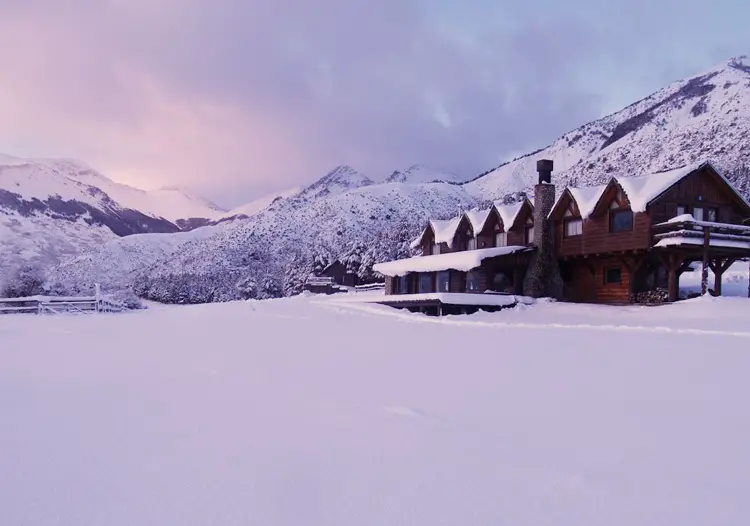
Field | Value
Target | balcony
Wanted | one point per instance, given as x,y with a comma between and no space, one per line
686,233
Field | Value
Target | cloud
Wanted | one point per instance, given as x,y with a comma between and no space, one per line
237,97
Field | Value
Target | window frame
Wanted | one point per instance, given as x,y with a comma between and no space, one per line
422,277
605,276
703,213
529,234
621,212
468,279
438,278
402,284
501,235
569,221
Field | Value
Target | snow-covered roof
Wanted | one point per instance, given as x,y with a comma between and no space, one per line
641,190
586,198
477,219
508,213
445,230
644,189
462,261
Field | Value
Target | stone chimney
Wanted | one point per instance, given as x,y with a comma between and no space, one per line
543,274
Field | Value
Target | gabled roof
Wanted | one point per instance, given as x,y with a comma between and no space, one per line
509,213
444,230
640,191
477,219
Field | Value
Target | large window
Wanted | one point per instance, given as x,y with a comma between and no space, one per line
472,281
501,239
402,285
425,283
620,220
612,275
444,281
573,227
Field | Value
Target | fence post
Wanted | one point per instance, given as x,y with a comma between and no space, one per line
97,292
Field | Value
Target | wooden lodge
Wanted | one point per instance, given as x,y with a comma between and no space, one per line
627,241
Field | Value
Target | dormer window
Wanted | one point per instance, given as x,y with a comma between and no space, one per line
620,220
501,239
471,243
529,234
435,249
573,227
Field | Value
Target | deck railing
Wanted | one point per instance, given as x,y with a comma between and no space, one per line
369,287
699,232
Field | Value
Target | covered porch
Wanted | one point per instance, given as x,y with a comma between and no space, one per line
684,243
458,282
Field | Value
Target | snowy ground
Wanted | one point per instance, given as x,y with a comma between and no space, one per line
309,412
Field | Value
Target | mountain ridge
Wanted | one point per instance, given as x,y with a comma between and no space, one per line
347,215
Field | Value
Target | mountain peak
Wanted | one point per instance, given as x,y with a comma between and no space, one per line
420,173
339,180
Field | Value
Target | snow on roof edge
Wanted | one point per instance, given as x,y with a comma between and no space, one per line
462,261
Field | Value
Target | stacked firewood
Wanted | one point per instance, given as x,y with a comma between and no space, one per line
651,297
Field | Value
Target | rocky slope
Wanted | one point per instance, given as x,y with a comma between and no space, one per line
706,116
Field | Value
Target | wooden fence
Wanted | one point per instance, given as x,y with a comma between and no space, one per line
60,305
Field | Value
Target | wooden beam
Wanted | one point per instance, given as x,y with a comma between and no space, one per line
626,264
704,268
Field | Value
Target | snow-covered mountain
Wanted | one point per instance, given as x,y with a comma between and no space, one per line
51,209
338,180
256,206
706,116
348,216
419,173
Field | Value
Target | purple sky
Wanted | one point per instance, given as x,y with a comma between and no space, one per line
234,98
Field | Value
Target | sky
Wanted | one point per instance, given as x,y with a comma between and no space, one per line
236,98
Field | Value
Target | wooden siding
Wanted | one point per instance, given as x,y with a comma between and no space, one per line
596,237
583,285
703,188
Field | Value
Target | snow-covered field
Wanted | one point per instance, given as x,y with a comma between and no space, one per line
318,412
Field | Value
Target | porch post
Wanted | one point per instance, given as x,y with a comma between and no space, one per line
674,263
704,270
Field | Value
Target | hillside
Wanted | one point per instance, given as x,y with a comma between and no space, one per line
706,116
260,204
53,209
